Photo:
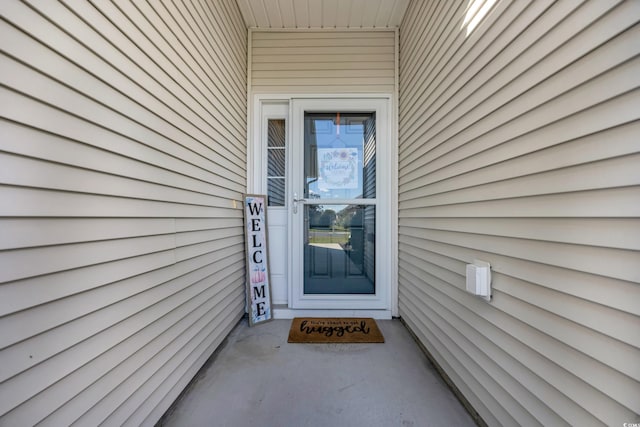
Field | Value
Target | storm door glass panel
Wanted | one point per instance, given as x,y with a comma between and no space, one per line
339,211
340,160
339,249
276,161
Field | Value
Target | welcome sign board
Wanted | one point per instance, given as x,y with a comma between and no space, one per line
338,168
258,289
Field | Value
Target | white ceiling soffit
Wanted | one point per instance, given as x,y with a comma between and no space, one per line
323,13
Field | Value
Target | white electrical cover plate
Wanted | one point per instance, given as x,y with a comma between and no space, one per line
478,277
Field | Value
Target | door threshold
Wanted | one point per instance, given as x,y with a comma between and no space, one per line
281,311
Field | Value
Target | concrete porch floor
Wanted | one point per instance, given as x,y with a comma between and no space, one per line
258,379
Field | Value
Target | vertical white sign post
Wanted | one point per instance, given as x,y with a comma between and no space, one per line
258,290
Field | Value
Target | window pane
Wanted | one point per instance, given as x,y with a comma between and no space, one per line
275,191
276,158
276,165
276,133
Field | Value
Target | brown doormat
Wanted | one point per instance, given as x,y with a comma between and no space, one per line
334,330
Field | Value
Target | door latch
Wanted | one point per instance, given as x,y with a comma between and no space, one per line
295,202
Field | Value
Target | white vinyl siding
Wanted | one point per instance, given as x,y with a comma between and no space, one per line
519,146
323,61
122,168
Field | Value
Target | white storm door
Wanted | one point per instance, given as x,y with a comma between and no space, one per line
340,204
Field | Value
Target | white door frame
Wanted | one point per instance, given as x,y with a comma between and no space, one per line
384,303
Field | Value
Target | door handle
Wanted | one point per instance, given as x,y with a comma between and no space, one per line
295,202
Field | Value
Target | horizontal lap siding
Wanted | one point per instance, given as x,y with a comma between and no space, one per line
122,168
519,146
323,62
